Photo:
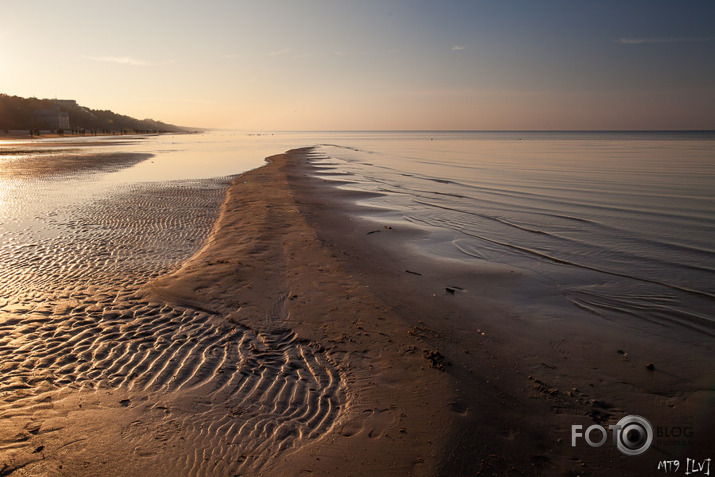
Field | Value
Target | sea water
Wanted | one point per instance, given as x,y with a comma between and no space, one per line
619,224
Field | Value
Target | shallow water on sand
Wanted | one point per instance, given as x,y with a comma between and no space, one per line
81,231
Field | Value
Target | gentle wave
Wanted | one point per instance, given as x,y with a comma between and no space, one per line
638,208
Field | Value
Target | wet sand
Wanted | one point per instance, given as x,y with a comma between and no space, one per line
520,379
303,339
265,268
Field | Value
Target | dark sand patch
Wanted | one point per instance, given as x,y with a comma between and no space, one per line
523,379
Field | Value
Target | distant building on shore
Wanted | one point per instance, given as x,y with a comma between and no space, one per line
65,103
53,118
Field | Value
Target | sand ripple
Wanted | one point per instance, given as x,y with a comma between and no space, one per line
114,242
218,395
260,393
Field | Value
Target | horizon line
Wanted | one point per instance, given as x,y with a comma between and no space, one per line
458,130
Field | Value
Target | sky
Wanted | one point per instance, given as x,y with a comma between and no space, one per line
367,64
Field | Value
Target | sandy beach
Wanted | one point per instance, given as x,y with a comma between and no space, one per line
357,239
304,339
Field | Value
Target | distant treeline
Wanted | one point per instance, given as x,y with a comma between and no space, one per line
18,113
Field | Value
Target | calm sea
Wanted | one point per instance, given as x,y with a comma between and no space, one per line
620,224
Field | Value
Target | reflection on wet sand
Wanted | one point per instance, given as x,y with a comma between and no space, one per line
86,357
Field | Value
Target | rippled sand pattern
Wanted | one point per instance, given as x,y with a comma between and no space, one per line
73,322
115,242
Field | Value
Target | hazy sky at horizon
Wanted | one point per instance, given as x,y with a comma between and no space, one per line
403,64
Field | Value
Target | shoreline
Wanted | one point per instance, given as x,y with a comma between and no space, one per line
40,139
263,267
502,391
542,370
